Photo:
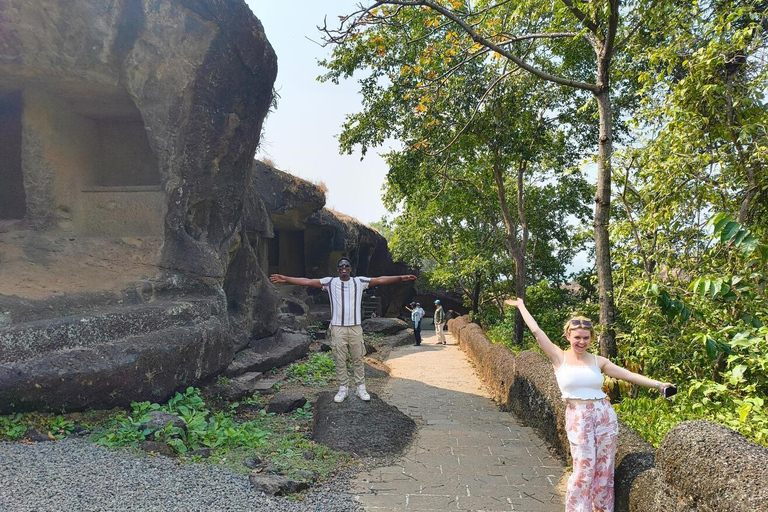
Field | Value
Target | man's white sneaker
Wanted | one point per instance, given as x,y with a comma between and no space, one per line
341,395
362,393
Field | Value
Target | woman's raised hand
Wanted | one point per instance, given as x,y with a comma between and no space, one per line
514,302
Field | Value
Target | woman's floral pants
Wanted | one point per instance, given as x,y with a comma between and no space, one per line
592,430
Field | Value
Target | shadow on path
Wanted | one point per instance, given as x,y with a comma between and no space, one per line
468,455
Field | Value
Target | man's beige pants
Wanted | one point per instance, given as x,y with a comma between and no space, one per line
439,332
348,342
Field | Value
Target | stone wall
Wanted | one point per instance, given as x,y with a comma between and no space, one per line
699,467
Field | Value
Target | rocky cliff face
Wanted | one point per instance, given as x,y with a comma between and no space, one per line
124,110
136,231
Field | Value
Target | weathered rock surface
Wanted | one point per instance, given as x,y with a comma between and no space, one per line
396,340
385,326
276,485
288,199
158,420
117,373
714,467
157,447
237,388
189,83
277,350
372,428
283,403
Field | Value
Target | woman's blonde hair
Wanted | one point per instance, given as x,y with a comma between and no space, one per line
581,322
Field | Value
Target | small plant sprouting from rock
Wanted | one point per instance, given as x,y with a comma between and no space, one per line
221,380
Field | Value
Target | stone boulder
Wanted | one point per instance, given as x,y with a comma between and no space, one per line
158,420
365,429
288,199
283,403
405,337
117,373
276,485
235,389
158,448
280,349
714,467
385,326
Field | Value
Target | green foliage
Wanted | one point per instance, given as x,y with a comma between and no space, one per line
316,371
14,426
486,167
552,306
703,326
232,437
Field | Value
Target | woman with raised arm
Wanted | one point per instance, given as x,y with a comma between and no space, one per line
590,421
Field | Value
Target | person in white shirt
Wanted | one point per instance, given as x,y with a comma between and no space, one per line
417,313
346,296
590,421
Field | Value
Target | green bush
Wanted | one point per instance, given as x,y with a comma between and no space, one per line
280,439
317,371
14,426
551,306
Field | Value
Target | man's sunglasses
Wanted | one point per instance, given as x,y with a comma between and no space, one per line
581,323
344,265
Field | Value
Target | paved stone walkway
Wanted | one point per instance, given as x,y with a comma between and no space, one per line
468,455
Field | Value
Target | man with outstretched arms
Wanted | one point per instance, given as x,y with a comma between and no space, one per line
346,295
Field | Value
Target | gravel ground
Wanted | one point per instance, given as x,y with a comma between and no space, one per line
75,475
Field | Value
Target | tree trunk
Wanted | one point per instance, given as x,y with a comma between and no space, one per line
476,296
602,218
520,265
516,250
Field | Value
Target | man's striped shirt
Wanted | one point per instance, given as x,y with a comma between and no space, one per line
346,299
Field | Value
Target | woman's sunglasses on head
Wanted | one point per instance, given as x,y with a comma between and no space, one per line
581,323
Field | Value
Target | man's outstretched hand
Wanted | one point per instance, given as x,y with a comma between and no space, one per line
409,277
277,278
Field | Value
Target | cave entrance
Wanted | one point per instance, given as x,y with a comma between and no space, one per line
13,200
286,253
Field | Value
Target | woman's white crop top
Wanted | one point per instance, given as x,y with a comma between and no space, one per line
581,382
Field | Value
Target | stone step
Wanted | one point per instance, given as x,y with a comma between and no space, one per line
32,339
134,368
266,385
281,349
237,388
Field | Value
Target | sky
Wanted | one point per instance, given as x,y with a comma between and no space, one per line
301,136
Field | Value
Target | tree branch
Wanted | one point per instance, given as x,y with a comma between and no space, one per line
582,17
466,27
474,113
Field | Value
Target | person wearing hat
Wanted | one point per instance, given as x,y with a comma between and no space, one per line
416,315
439,318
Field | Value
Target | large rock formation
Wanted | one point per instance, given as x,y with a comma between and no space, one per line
136,231
308,241
128,128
